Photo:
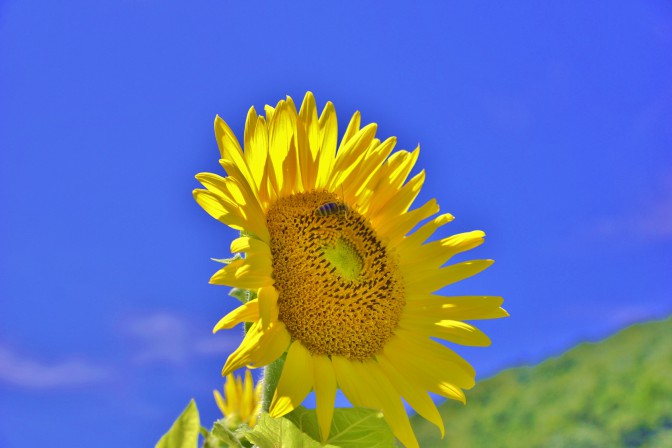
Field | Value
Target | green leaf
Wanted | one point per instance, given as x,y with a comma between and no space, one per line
221,437
228,260
240,294
185,430
251,295
278,432
350,428
244,295
357,427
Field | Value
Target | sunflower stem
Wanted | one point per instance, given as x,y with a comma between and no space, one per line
270,382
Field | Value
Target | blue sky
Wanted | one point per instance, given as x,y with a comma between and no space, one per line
546,125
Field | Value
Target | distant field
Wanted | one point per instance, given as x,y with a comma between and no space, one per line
615,393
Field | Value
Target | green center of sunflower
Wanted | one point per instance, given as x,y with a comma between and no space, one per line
340,292
345,258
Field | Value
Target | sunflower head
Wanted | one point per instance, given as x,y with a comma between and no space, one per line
241,401
343,284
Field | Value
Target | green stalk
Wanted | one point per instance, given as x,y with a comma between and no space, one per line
270,382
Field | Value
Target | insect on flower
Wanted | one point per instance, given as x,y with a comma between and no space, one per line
332,208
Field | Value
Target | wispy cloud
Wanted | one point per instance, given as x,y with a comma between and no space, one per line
166,338
627,315
154,338
657,221
615,314
651,221
20,370
159,337
217,345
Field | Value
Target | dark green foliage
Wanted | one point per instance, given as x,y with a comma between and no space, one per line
615,393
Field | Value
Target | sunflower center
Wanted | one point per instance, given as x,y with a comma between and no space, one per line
345,258
341,293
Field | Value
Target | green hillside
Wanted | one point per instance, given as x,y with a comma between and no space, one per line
614,393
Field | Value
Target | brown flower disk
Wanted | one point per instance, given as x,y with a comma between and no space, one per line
340,292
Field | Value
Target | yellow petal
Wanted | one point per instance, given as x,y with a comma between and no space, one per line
401,167
419,345
423,368
258,158
325,393
248,312
237,198
413,394
391,177
403,224
216,184
348,381
433,255
281,132
371,164
232,395
259,347
269,111
251,246
352,129
456,308
295,382
242,355
449,330
293,164
247,273
272,345
427,378
268,187
421,235
221,404
248,399
256,152
349,154
268,308
308,115
229,148
250,125
390,402
328,125
365,164
220,209
434,279
365,384
291,107
436,359
399,202
245,196
308,140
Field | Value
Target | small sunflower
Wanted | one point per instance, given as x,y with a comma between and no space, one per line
241,402
343,286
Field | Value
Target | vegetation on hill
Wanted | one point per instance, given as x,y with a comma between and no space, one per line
614,393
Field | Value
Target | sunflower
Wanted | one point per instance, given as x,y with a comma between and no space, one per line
341,283
241,401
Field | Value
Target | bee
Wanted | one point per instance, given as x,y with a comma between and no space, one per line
332,208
